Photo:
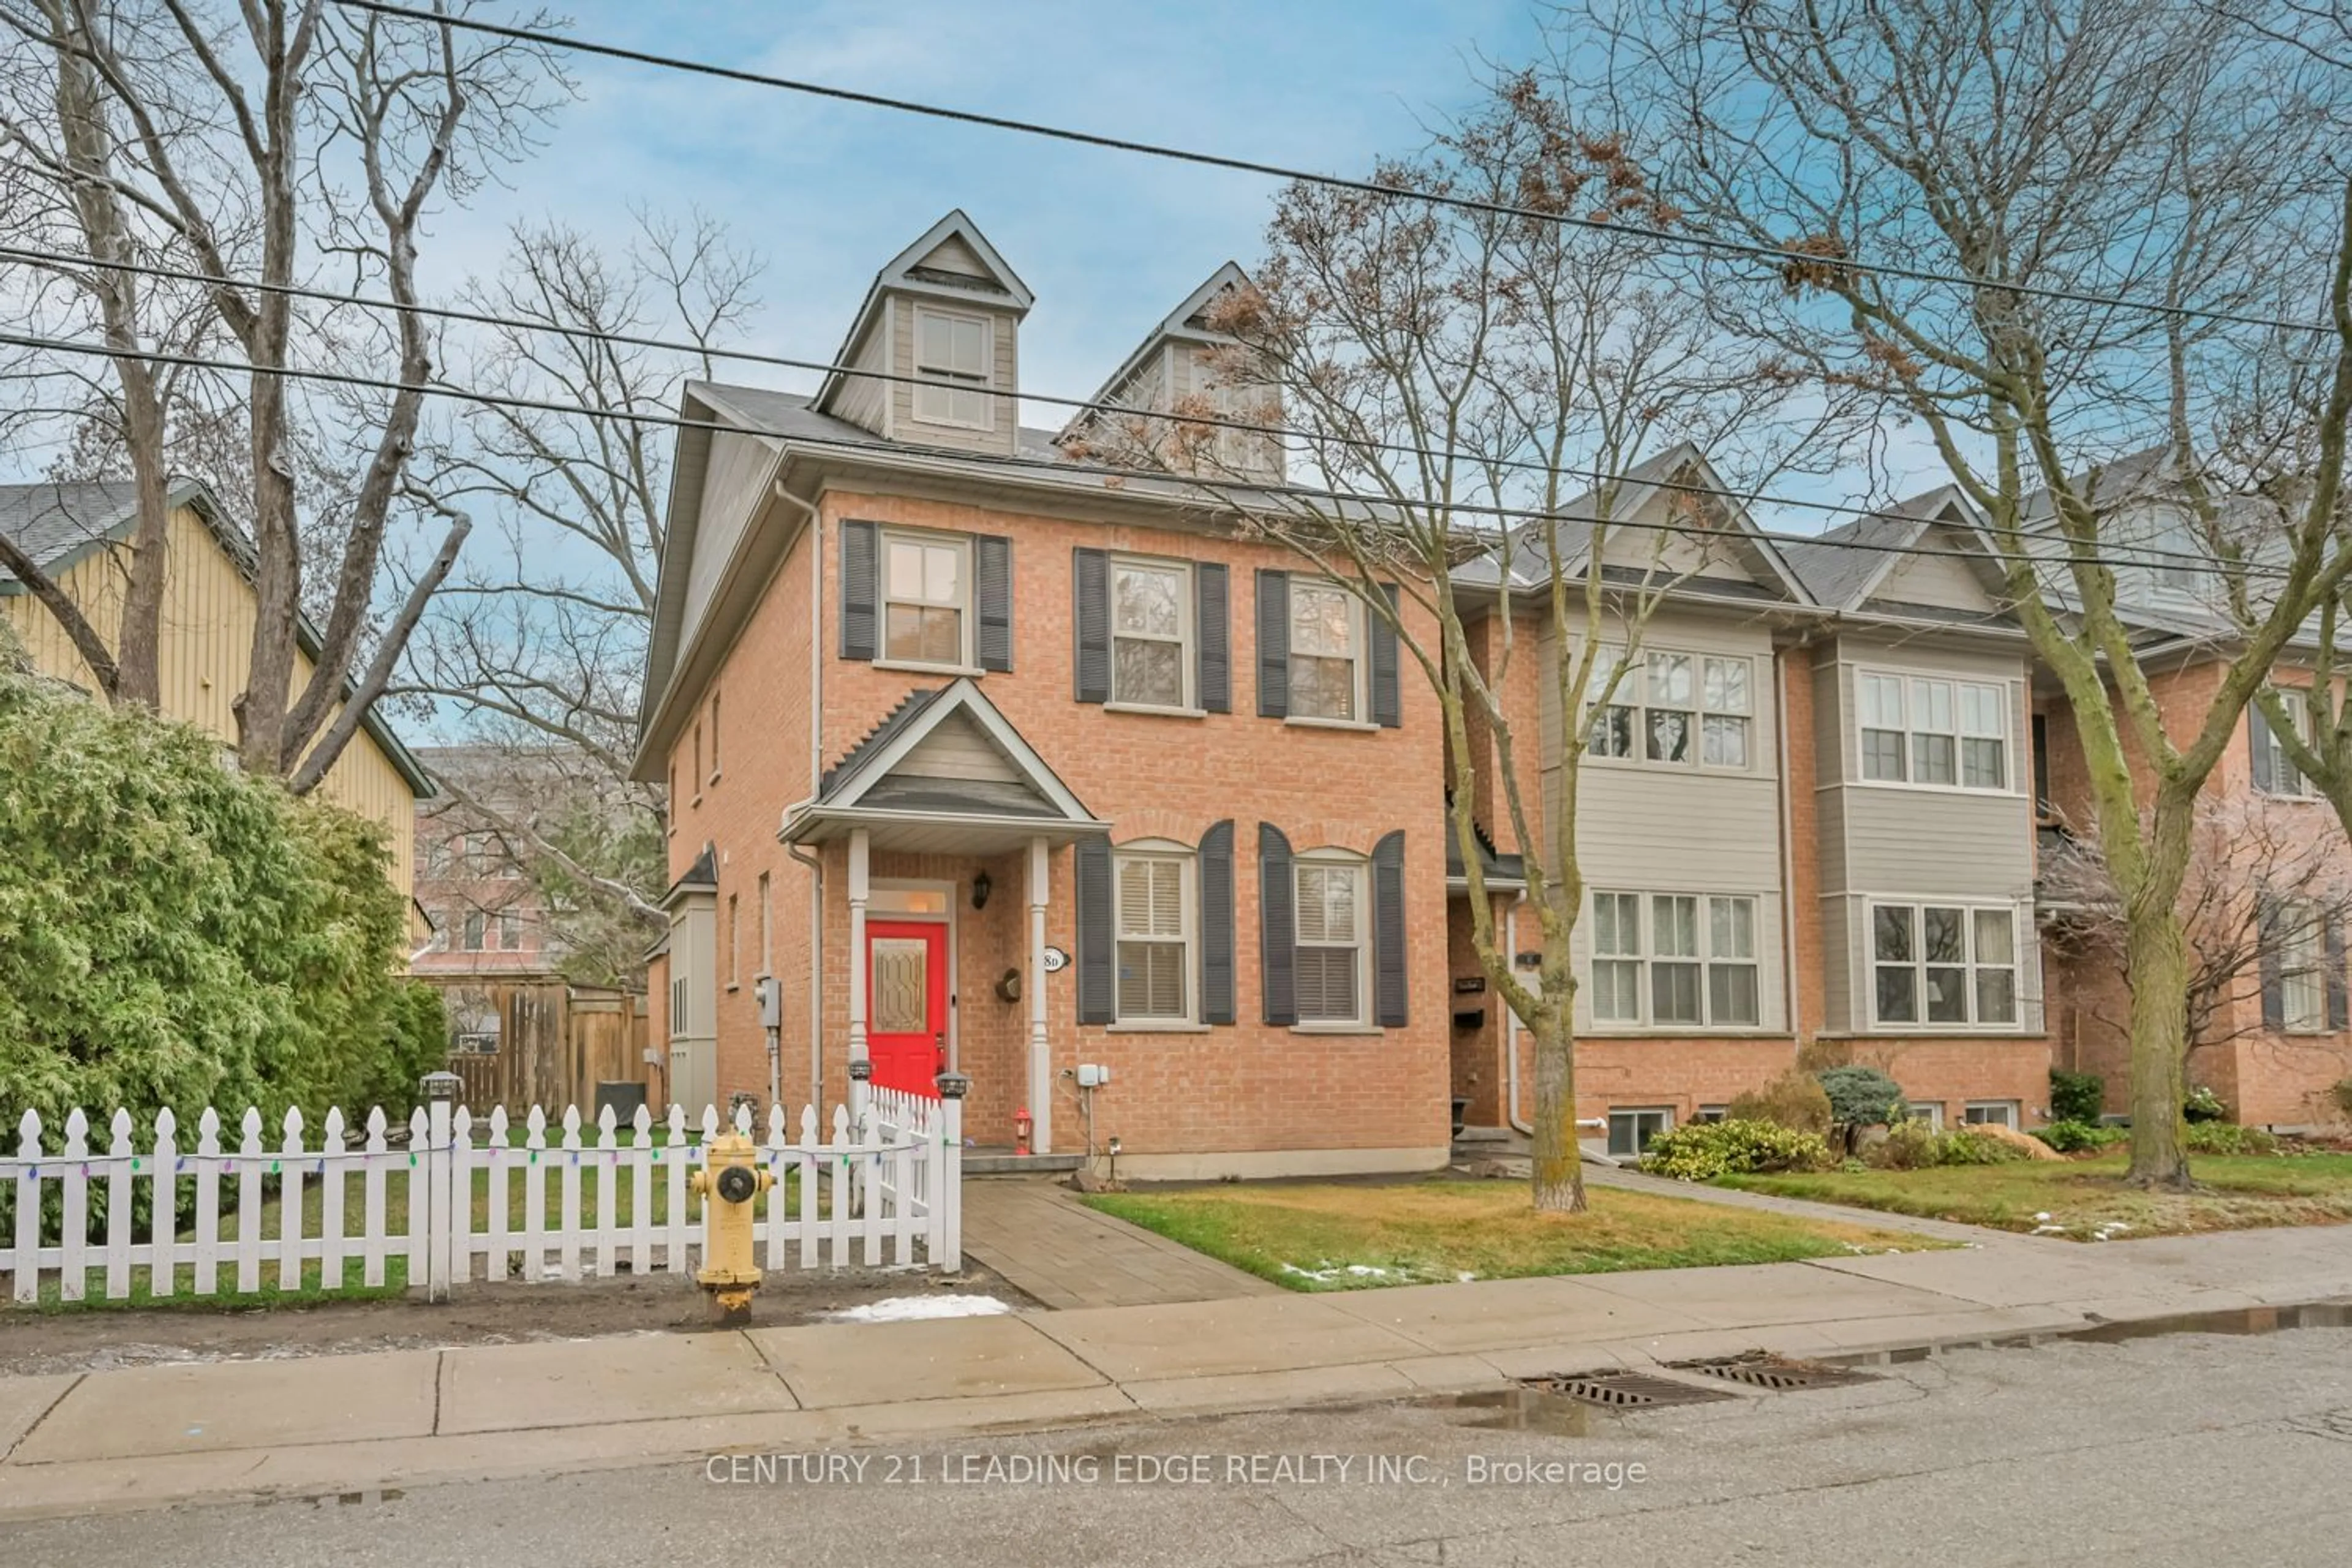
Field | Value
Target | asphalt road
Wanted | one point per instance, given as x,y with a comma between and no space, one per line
2188,1449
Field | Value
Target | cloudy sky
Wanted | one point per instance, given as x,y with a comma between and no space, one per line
827,192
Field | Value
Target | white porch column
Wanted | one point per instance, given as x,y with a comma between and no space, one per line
860,1065
1041,1057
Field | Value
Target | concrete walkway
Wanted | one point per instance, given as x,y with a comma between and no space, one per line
1034,1232
148,1435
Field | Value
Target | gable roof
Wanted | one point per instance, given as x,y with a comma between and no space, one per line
905,273
60,525
903,773
1184,322
1847,564
1530,557
702,877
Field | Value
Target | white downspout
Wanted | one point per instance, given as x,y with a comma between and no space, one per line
1519,1125
814,863
1788,846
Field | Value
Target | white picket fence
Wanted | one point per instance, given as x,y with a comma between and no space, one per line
473,1204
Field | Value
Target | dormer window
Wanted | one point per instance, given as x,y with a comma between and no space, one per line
952,356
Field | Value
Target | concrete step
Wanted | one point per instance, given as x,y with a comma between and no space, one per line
1004,1163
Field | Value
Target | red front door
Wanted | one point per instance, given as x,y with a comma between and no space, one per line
906,1003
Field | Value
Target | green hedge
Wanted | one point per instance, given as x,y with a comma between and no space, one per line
180,933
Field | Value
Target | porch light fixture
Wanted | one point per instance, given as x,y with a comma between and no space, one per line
980,887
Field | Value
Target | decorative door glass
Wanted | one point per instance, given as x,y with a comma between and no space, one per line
901,994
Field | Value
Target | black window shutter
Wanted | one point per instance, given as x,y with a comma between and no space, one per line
1097,936
1388,932
1278,898
1386,711
2258,741
857,588
1273,645
2267,935
1090,613
1216,873
1212,680
2339,1008
993,576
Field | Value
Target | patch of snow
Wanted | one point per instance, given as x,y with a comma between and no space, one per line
1463,1277
2048,1230
915,1308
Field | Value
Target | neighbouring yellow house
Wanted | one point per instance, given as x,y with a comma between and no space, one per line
80,533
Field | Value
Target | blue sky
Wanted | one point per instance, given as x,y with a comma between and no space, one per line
1108,242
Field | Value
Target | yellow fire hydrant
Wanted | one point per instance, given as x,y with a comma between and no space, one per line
731,1178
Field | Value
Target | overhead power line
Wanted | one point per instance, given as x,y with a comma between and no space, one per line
1783,256
2131,554
1227,490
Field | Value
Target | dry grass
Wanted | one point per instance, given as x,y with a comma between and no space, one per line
1341,1236
2087,1199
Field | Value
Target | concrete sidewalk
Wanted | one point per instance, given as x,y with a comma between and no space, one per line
146,1435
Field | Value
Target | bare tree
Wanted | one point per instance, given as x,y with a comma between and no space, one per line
539,646
2264,900
541,831
289,144
2019,165
1474,395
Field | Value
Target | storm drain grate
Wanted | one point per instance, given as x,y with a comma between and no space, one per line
1624,1390
1776,1372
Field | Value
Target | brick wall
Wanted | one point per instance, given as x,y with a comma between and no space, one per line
1229,1090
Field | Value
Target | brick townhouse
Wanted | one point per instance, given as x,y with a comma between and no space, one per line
2275,1038
1000,762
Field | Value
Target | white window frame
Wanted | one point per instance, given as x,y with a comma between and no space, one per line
1930,1111
1360,871
1909,689
1187,700
1665,1114
1971,964
471,937
1708,714
963,604
1643,958
1155,853
1706,1114
939,386
1360,658
510,931
2301,968
2298,708
1991,1113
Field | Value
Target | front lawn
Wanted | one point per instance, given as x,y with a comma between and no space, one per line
2085,1199
1338,1237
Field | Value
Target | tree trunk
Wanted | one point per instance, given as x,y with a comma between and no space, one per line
2156,962
1558,1174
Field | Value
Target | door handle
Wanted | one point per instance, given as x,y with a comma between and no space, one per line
940,1044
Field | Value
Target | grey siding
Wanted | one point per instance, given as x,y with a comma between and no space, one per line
733,478
1829,735
1939,580
1003,435
1840,959
1654,828
1908,843
1937,841
864,401
1828,833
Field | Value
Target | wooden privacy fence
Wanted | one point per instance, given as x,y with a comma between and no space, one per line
449,1201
